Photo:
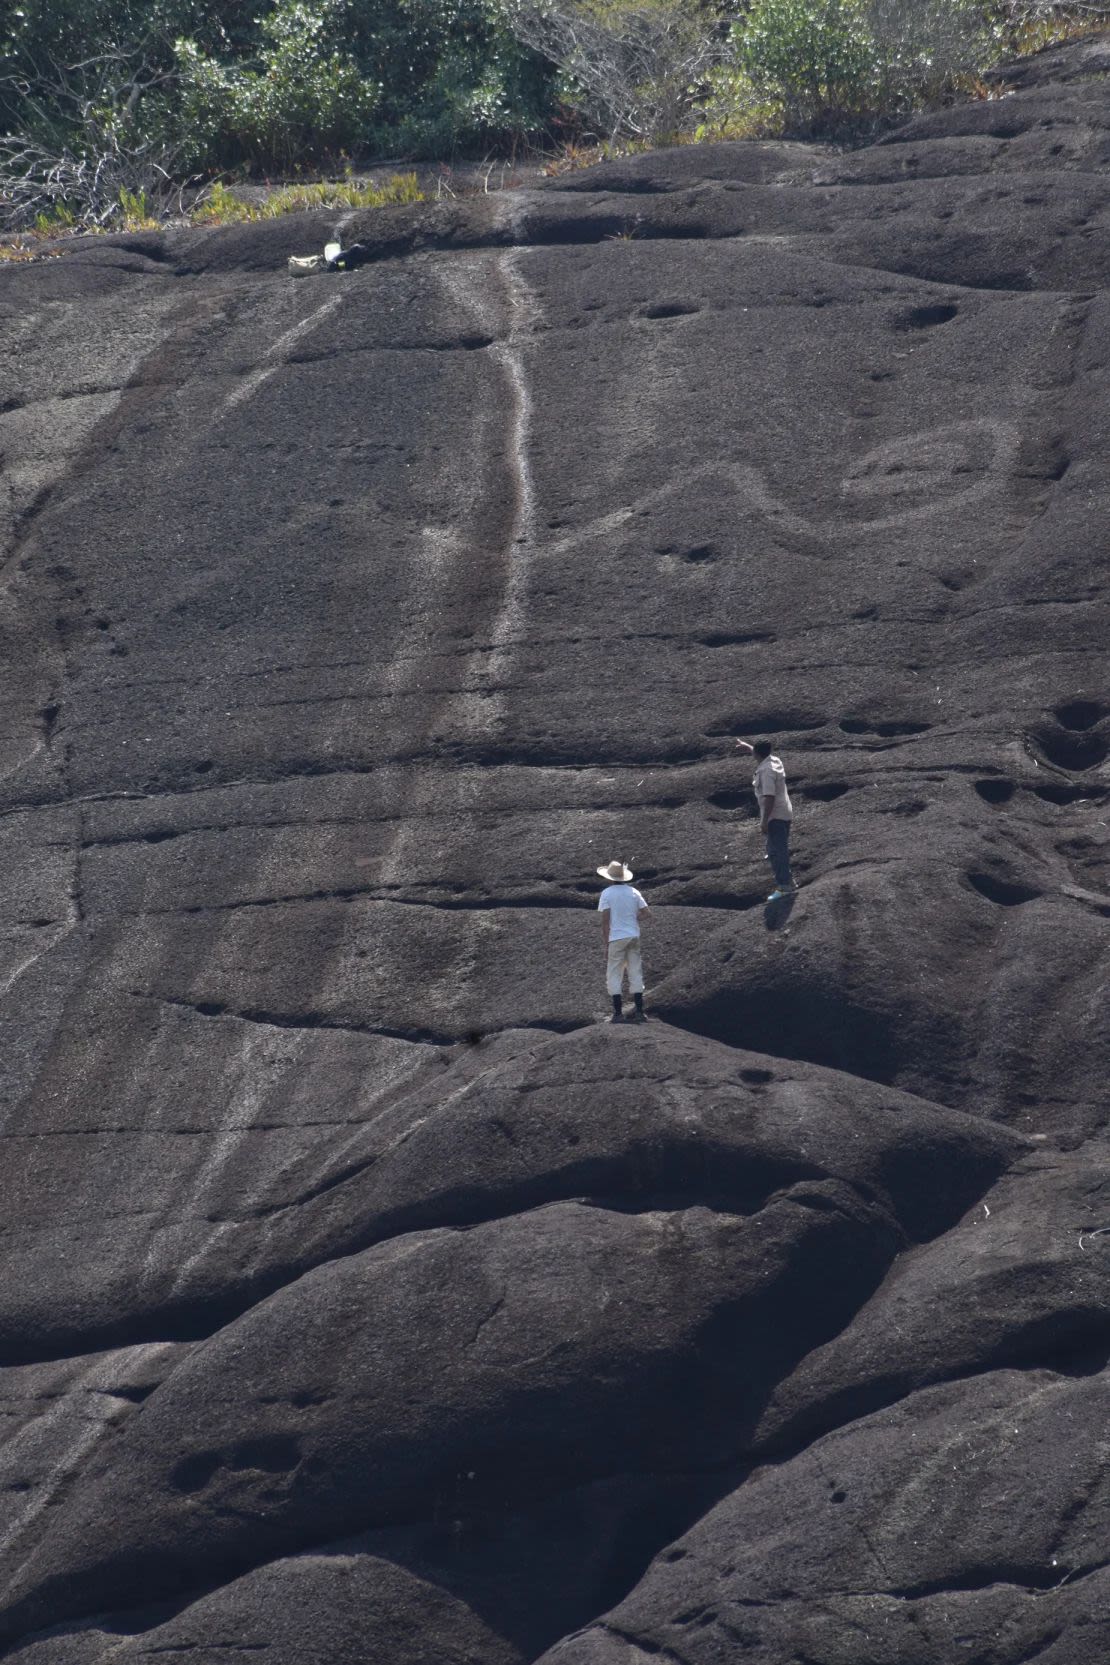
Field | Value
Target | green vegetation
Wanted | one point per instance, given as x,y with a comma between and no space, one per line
98,97
222,206
116,113
304,99
828,65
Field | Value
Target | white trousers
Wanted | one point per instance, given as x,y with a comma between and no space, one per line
625,952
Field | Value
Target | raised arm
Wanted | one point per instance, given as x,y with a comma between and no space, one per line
745,746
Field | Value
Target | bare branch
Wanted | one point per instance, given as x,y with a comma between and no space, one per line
640,65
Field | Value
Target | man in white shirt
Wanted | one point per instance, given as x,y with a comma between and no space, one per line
775,814
622,908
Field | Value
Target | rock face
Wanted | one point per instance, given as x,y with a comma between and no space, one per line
365,1298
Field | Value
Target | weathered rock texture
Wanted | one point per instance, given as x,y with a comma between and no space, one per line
365,1298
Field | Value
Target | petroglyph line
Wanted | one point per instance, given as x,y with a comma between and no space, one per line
486,711
520,316
36,750
899,466
8,982
523,317
923,466
508,317
279,352
249,1085
60,1471
100,1381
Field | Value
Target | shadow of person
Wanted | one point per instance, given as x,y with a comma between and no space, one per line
776,913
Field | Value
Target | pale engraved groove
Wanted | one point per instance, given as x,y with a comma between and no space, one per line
279,353
98,1382
20,969
866,479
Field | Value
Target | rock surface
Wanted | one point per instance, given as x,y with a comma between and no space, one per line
366,1299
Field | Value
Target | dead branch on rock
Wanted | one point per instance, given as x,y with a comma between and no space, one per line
64,189
1019,12
639,66
78,157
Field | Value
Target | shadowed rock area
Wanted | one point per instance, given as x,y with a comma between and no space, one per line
366,1298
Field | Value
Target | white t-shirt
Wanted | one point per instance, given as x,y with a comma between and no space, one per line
769,781
622,903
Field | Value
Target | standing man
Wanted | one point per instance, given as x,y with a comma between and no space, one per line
775,814
621,910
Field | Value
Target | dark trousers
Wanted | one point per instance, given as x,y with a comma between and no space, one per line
778,851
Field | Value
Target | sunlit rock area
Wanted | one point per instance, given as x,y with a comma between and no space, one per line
367,1299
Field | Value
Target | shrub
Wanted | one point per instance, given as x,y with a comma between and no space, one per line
104,97
815,57
732,108
453,75
76,72
306,99
836,63
361,76
925,48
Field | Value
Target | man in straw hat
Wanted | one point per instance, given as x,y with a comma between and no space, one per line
621,908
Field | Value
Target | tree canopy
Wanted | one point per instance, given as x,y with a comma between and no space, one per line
102,97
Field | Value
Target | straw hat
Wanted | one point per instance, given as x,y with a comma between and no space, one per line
616,873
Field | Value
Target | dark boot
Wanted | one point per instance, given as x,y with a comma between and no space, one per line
638,1015
617,1016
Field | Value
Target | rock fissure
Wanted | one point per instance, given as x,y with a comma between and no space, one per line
722,901
643,1644
321,1020
1033,1580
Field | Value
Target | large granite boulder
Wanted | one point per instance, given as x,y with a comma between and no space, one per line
367,1298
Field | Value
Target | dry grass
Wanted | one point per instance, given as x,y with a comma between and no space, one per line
220,205
577,154
32,245
1037,33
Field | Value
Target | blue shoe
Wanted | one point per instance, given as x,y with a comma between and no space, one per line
782,890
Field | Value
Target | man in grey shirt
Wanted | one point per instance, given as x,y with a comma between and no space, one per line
776,813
